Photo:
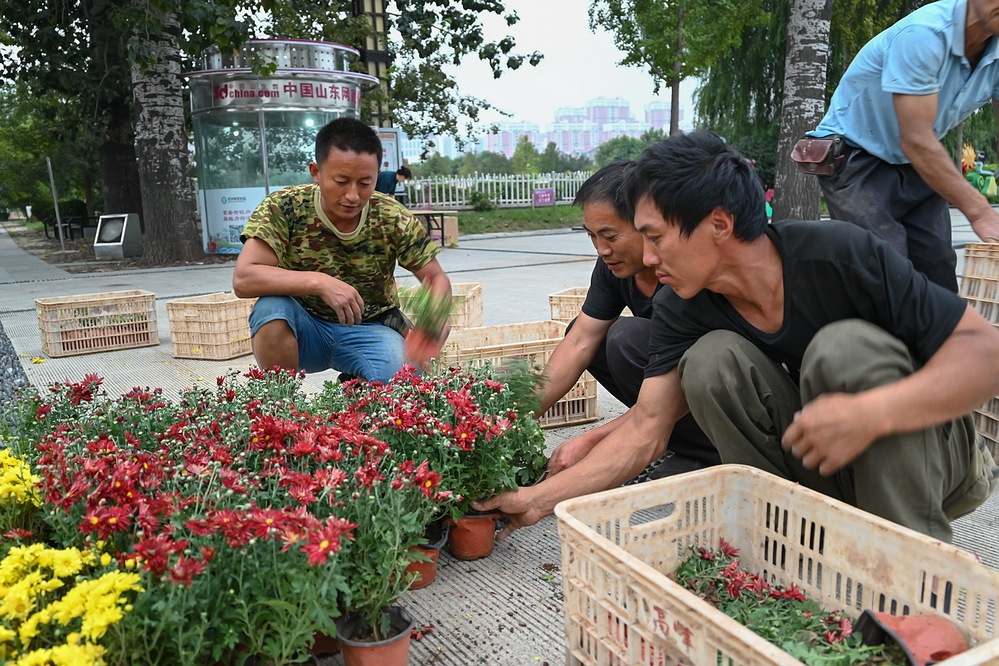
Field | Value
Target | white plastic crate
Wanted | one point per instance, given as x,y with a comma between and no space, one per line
534,343
566,305
618,546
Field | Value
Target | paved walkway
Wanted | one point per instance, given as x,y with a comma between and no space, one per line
506,609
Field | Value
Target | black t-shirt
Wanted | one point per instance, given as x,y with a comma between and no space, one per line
609,295
832,271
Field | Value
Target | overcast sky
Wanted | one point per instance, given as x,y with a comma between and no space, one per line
578,65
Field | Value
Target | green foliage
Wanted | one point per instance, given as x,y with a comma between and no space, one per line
495,162
428,310
435,165
675,40
520,219
763,149
35,126
783,616
552,160
741,94
525,156
626,147
979,129
480,201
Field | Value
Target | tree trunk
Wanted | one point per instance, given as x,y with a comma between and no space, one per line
674,110
797,195
116,153
171,230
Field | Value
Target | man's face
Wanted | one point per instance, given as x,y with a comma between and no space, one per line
681,262
616,241
346,180
986,12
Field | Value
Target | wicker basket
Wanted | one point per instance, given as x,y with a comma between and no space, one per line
91,323
533,342
618,546
980,287
214,327
566,305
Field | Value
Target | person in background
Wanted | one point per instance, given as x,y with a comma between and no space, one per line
615,349
901,94
387,180
321,258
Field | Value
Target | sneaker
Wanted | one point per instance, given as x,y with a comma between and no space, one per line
669,465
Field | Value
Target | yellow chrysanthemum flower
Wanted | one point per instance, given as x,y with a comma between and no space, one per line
17,484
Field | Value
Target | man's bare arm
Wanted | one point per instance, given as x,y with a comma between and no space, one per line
257,274
617,458
572,356
835,428
916,115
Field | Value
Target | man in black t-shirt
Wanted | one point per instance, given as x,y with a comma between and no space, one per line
613,348
811,350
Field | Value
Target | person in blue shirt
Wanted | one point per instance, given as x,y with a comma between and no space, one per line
903,92
387,180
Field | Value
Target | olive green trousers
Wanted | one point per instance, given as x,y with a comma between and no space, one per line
745,401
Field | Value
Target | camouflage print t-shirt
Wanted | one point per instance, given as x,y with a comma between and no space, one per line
292,223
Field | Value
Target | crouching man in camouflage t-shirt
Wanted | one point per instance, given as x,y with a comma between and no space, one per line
322,260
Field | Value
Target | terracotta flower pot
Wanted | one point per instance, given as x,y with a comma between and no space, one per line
471,537
393,651
426,571
435,535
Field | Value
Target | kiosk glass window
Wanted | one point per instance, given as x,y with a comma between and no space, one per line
291,145
229,151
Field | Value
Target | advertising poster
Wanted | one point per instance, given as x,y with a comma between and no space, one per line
224,213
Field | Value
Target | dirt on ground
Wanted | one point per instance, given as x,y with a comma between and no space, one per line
78,257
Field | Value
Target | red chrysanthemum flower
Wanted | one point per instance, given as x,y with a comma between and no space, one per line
185,569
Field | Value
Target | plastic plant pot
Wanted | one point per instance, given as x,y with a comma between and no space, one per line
393,651
471,538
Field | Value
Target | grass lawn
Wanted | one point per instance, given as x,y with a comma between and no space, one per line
519,219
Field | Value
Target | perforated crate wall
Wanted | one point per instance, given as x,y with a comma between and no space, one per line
566,305
468,308
533,342
980,287
214,326
91,323
618,547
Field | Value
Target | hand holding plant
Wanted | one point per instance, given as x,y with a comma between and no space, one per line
429,311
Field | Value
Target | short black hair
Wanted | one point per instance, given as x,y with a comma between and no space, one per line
350,135
689,175
405,172
606,186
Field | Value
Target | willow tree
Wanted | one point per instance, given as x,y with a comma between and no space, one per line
674,40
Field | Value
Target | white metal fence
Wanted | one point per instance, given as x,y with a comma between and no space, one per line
502,189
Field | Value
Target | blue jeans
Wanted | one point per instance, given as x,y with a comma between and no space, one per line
372,350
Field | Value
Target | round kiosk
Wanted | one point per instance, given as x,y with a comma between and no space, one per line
255,134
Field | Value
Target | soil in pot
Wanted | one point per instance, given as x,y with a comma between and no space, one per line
323,644
393,651
471,538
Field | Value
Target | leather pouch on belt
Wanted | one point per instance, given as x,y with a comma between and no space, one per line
819,157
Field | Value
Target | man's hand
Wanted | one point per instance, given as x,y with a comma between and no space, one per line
830,432
987,226
344,300
514,504
568,453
